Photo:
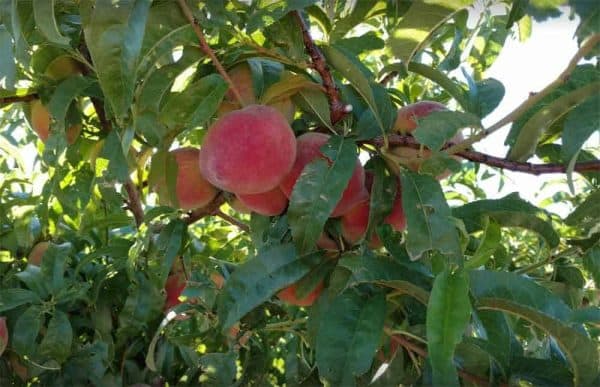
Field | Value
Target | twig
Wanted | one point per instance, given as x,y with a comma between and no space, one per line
409,345
208,51
493,161
534,98
209,209
337,108
134,203
230,219
388,77
18,98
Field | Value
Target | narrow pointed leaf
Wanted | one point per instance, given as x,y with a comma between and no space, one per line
487,246
448,313
43,12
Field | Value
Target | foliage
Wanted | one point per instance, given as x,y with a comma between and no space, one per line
476,290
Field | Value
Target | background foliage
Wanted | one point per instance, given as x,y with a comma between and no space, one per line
475,291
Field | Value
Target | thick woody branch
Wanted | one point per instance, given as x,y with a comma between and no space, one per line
212,209
337,108
209,51
19,98
498,162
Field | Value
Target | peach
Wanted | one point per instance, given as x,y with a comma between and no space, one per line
309,145
174,287
241,76
63,67
3,335
248,151
37,253
288,295
191,188
326,243
407,115
270,203
40,119
237,205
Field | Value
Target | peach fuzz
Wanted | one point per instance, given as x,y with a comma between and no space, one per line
288,295
270,203
248,151
309,145
191,188
407,115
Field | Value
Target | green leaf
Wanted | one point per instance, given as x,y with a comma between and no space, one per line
43,12
438,127
509,211
8,67
89,363
169,244
520,296
33,279
428,217
259,278
450,86
487,246
541,372
348,338
114,31
218,369
53,267
580,124
112,151
589,315
58,338
487,96
27,328
196,104
66,92
448,313
12,298
585,215
144,303
272,11
591,262
417,24
500,341
315,102
318,190
530,133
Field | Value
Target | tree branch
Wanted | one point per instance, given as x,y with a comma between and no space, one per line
208,51
534,98
18,98
337,108
410,346
493,161
230,219
134,203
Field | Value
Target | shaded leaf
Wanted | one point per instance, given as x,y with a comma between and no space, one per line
487,246
12,298
58,337
218,369
23,339
8,67
580,124
43,12
438,127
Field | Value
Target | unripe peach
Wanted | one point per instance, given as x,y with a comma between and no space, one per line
242,79
406,121
37,253
270,203
62,67
309,145
191,188
248,151
288,295
40,119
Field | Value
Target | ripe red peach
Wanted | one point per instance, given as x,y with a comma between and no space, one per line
288,295
406,121
270,203
191,188
37,253
309,145
248,151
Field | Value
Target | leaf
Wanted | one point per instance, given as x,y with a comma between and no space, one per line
144,303
586,214
450,86
438,127
318,190
589,315
348,338
289,85
520,296
8,67
218,369
488,95
26,330
12,298
43,12
591,263
487,246
114,31
58,338
509,211
580,124
259,278
169,244
428,217
541,372
272,11
417,24
196,104
500,341
315,102
530,133
112,150
448,313
53,267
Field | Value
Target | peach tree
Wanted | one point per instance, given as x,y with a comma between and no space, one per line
289,192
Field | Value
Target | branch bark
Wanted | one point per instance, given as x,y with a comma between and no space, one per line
18,98
134,203
336,107
187,12
493,161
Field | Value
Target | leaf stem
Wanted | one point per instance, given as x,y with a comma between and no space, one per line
533,99
209,51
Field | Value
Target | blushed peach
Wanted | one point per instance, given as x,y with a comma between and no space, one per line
248,151
288,295
308,146
406,120
270,203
